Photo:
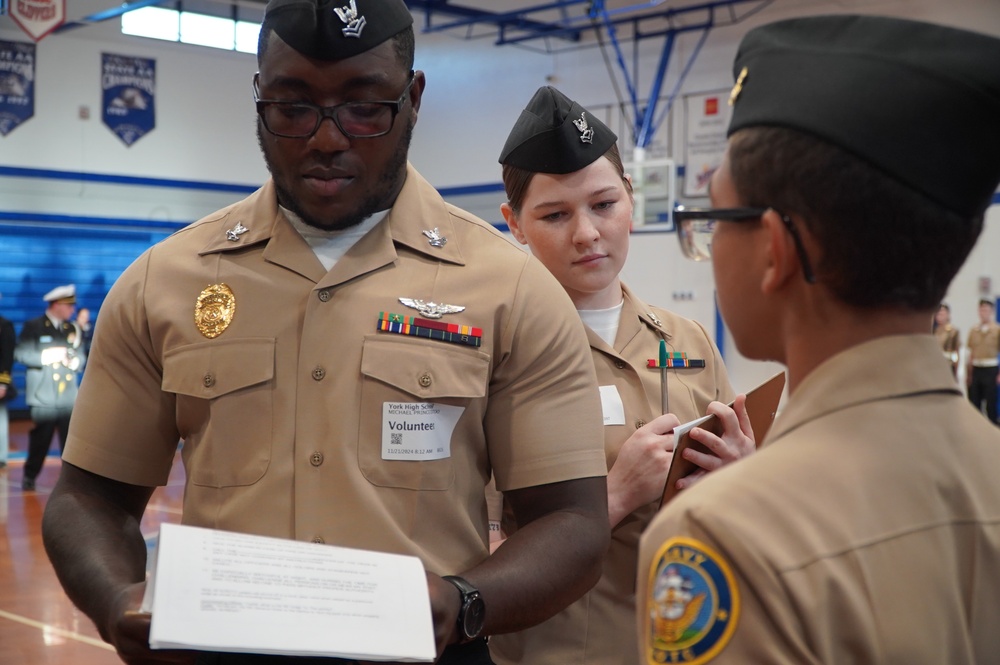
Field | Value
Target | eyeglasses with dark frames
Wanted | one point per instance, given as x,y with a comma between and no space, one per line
300,120
695,227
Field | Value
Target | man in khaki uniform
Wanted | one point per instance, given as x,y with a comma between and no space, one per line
867,530
347,359
984,348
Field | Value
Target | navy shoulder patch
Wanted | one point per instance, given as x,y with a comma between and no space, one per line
691,604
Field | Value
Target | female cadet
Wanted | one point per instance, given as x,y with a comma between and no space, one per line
947,336
570,202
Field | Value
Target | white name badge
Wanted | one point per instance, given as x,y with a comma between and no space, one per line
611,405
418,431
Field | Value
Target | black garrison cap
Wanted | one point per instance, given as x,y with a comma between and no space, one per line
554,134
335,29
921,102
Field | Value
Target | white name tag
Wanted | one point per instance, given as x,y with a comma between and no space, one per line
418,431
611,405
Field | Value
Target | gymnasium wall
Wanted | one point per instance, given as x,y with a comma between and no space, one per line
77,204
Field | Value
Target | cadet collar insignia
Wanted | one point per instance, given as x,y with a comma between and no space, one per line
691,603
586,132
214,310
234,233
656,321
738,88
674,359
349,15
431,310
417,327
435,238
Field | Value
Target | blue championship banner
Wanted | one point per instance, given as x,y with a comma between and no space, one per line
17,85
129,86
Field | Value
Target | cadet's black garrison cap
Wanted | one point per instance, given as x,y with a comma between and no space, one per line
335,29
921,102
554,134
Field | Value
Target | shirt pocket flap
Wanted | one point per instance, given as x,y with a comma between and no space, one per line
426,370
210,369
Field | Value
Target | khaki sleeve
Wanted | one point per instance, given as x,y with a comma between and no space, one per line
544,421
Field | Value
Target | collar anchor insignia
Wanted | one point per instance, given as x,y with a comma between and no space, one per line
349,15
431,309
233,234
434,238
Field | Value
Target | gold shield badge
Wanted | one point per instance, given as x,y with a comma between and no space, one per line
214,310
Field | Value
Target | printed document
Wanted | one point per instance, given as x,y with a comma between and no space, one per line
214,590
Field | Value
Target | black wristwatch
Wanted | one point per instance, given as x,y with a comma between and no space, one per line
472,614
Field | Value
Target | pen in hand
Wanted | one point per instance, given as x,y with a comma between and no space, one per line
664,399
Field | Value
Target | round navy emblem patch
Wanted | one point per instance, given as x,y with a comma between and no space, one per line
691,604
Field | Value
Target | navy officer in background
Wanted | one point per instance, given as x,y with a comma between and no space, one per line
863,153
48,346
347,359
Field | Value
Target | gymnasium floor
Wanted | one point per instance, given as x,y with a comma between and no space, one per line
38,625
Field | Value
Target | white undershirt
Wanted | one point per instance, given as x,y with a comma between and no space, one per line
604,322
330,246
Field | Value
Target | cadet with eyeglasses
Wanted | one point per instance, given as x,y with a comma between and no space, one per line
347,359
863,154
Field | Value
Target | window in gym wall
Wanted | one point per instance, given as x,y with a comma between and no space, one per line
152,22
192,28
207,30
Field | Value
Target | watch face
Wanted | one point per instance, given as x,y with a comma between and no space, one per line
474,617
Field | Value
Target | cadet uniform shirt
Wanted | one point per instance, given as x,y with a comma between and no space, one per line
599,628
289,413
947,337
984,345
866,531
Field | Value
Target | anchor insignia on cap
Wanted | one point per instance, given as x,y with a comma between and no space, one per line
435,238
234,233
431,310
586,131
349,15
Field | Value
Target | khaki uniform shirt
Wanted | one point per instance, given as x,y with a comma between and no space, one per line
948,338
866,531
600,627
984,345
288,414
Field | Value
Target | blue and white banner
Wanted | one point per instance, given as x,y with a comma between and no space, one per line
17,85
129,86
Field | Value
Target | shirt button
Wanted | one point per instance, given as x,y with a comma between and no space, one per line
319,373
639,423
324,295
316,458
620,364
209,380
426,380
318,540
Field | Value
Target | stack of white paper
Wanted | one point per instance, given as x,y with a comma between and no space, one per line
219,591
